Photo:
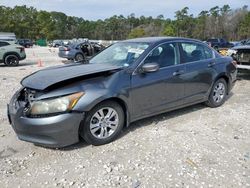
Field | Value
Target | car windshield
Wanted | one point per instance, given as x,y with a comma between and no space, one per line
120,54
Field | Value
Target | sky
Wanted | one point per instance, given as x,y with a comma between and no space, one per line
101,9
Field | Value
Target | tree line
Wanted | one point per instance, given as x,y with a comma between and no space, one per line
222,22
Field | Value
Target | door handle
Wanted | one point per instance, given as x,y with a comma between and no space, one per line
177,73
211,64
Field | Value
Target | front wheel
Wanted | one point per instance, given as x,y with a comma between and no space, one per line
103,123
218,93
11,60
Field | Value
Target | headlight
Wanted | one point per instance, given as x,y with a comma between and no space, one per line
50,106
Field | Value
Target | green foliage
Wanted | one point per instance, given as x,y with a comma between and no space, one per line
169,30
137,32
27,22
244,29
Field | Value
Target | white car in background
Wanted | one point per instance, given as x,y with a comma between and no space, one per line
241,54
11,53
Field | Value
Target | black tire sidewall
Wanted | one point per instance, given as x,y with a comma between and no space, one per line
211,101
76,59
8,56
85,127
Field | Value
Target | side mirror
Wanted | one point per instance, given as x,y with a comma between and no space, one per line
150,67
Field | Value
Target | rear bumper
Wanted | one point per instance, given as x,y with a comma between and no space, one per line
65,55
246,67
232,80
55,131
22,57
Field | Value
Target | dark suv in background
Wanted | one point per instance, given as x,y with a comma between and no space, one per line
27,43
218,43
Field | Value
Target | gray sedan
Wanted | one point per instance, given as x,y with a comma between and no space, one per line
77,52
128,81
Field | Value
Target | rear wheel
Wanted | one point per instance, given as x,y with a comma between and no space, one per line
79,57
218,93
11,60
103,123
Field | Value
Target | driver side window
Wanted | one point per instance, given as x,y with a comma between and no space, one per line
165,55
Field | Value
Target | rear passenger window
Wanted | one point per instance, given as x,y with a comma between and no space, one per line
4,44
208,53
195,52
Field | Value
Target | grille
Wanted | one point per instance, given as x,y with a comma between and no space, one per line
244,57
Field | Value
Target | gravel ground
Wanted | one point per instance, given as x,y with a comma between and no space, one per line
192,147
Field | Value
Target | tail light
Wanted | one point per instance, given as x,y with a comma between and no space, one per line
66,49
22,49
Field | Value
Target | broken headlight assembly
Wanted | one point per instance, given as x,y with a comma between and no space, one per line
231,52
55,105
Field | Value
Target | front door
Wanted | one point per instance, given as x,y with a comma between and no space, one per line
158,91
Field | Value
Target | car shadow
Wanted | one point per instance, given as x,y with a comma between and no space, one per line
142,123
20,65
148,121
162,117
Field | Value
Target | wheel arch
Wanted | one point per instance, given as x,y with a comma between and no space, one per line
118,100
79,53
225,77
11,53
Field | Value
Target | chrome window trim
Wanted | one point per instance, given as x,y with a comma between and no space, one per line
178,41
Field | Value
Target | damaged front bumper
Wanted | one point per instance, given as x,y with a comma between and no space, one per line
54,131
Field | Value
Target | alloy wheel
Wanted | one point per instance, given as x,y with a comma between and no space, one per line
79,57
104,123
219,92
11,60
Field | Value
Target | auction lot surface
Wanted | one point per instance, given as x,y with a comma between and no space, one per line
193,147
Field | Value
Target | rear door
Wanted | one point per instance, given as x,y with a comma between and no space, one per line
198,78
3,48
158,91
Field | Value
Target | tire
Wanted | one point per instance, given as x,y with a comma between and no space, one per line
11,60
79,57
96,129
218,94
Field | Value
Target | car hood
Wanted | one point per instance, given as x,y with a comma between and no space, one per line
45,78
243,47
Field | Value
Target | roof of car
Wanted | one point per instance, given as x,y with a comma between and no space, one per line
242,47
158,39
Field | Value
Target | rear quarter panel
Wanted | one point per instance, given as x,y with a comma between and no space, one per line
225,68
